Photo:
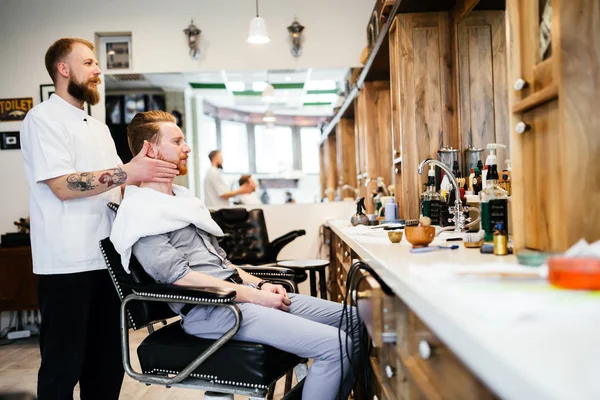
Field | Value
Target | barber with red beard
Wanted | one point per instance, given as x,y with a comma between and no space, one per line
73,171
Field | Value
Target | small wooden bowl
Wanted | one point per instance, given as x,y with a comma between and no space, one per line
395,236
420,236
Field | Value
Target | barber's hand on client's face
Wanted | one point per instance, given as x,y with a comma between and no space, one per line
145,169
246,188
272,300
269,287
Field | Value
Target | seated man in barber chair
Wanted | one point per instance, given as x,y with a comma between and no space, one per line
173,236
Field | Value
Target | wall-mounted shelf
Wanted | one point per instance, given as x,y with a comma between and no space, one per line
383,37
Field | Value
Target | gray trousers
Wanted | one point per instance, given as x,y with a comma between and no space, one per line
309,330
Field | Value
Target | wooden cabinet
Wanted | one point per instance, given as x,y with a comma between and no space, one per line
407,361
373,137
554,124
18,283
422,64
346,155
482,82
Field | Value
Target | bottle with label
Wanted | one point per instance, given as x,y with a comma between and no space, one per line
500,240
431,199
477,181
493,199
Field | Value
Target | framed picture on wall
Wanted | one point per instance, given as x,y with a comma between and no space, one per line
47,89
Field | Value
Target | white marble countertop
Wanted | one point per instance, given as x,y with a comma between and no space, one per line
522,337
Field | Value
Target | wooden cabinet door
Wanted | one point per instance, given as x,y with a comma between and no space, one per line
18,283
540,223
373,132
482,89
346,154
536,70
426,111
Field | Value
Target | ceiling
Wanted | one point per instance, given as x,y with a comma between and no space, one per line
297,92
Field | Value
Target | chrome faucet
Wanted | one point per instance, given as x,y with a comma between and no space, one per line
355,190
457,210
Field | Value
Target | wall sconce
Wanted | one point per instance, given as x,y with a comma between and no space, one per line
193,35
295,31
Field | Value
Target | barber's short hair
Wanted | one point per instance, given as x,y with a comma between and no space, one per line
244,179
59,50
213,154
146,126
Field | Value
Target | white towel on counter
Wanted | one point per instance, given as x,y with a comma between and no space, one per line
147,212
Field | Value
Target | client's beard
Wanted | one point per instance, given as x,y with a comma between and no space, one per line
82,92
181,167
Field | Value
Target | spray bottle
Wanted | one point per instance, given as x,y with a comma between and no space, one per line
431,199
494,199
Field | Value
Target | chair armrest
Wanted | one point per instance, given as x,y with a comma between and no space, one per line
185,294
269,271
280,242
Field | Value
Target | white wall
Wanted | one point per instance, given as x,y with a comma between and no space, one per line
334,37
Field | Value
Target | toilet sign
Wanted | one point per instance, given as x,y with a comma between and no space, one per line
15,109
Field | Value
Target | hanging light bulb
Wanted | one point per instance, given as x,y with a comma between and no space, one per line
258,30
268,94
269,117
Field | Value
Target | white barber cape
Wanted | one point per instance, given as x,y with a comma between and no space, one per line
147,212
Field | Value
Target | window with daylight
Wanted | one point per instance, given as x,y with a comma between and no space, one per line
273,149
309,139
234,147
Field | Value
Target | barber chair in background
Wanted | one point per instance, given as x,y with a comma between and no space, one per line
246,239
171,357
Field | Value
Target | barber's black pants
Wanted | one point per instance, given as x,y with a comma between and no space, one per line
79,336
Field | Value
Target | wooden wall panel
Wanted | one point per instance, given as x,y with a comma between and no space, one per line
385,154
323,167
346,154
482,81
332,176
577,40
426,111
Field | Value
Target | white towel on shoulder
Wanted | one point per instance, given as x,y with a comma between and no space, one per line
146,212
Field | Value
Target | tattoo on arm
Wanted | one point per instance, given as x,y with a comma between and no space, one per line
81,182
114,177
84,181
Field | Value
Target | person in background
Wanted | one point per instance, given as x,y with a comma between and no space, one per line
249,199
216,192
73,171
289,198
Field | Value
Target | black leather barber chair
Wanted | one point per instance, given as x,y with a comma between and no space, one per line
170,357
246,240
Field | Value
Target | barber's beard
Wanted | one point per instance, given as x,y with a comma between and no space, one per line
220,165
81,90
181,166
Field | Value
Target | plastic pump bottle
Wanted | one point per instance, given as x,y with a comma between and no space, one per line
494,199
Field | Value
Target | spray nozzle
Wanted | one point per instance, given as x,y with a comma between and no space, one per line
431,170
491,158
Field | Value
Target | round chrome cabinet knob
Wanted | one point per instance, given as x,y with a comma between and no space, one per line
521,127
520,84
424,350
389,371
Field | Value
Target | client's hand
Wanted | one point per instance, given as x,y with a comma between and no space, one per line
272,300
269,287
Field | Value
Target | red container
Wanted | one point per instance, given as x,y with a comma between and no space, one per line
574,273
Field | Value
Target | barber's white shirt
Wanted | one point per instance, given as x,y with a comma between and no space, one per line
214,188
58,139
250,199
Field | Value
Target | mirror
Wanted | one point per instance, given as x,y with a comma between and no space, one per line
265,122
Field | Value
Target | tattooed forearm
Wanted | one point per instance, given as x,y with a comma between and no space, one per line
81,182
113,177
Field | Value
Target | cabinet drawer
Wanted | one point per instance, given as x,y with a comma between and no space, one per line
376,310
434,370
